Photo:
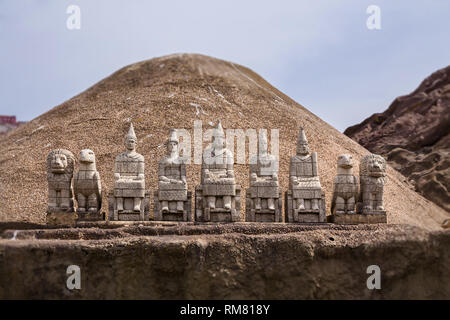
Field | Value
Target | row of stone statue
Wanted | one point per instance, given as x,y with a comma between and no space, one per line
218,197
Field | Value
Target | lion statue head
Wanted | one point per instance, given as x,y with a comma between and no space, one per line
345,161
372,165
87,156
60,161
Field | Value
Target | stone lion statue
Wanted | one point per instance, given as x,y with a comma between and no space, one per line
346,186
87,184
372,172
60,165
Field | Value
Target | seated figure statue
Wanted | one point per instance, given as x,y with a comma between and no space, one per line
172,200
305,197
129,198
263,198
218,197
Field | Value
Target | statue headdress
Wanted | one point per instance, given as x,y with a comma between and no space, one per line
173,137
218,130
302,141
262,142
131,133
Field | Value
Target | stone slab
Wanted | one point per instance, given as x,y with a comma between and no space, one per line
62,218
345,218
91,216
164,260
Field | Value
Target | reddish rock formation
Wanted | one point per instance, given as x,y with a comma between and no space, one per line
413,134
8,123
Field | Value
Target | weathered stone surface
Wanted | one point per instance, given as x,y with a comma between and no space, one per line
129,196
217,198
87,187
263,197
171,200
165,260
60,165
305,198
62,218
356,218
346,186
372,174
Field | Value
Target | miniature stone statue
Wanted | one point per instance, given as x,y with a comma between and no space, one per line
87,185
218,197
60,165
305,197
372,172
263,198
346,186
172,198
129,186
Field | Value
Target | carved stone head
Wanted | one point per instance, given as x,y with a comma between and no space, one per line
262,143
345,161
218,137
373,165
87,156
172,142
60,161
302,144
130,139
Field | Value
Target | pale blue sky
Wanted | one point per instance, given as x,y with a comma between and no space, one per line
319,52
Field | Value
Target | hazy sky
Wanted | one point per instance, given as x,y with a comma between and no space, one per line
320,52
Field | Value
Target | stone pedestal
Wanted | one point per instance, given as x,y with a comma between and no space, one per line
307,215
219,214
128,214
91,216
61,218
358,218
264,214
173,214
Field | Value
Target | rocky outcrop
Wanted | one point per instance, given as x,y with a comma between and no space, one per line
413,134
149,260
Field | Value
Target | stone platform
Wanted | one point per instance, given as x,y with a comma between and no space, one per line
357,218
245,260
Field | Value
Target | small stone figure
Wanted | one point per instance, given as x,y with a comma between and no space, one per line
60,165
372,172
263,198
305,198
218,196
346,186
172,200
87,185
130,199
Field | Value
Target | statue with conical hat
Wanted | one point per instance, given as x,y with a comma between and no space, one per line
263,201
220,200
307,202
129,179
171,200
